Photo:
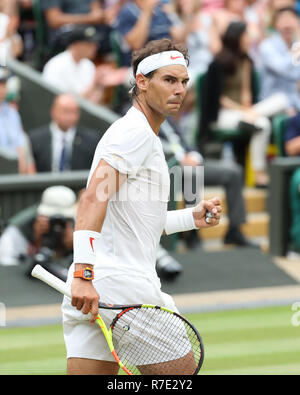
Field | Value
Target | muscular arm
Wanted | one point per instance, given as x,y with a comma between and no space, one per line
139,34
56,18
105,182
91,213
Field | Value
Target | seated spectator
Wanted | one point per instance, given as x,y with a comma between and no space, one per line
62,144
73,70
12,137
228,98
49,224
111,10
236,10
272,7
280,66
60,13
242,11
202,40
141,21
11,45
229,175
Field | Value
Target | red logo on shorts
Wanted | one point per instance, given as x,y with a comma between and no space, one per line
91,241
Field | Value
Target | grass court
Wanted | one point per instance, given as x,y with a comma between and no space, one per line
250,341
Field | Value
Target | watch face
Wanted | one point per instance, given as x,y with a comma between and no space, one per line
88,273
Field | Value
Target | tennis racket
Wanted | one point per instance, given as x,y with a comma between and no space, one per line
144,339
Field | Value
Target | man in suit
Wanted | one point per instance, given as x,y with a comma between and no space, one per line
62,145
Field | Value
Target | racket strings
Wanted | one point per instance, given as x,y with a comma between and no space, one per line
154,341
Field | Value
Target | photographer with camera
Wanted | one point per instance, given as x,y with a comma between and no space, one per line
42,233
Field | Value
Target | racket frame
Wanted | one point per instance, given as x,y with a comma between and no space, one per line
56,283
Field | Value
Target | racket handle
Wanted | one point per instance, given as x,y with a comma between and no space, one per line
39,272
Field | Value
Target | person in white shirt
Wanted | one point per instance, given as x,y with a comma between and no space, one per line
123,212
11,44
73,70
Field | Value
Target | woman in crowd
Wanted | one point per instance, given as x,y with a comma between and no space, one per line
229,102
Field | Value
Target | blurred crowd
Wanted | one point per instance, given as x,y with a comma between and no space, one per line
244,68
248,51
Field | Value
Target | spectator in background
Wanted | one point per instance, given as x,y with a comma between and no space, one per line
73,70
62,144
31,229
228,98
202,40
233,10
12,137
236,10
11,45
60,13
111,10
226,174
141,21
243,11
273,7
280,70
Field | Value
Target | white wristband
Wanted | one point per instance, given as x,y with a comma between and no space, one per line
180,221
85,246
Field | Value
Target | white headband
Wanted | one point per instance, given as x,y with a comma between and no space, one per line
162,59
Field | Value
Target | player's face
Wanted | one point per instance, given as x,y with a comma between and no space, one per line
167,89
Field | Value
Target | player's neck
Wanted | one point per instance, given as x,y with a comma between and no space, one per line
153,117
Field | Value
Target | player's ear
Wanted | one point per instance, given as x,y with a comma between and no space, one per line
142,82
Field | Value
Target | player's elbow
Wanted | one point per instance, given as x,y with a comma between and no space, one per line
91,198
87,199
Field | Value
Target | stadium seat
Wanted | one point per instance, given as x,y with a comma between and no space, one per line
224,134
279,124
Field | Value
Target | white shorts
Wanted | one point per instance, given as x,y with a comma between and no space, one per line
84,340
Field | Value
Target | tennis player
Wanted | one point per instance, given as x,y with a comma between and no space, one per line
123,212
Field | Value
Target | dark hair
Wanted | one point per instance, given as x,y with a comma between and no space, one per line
231,52
282,10
152,48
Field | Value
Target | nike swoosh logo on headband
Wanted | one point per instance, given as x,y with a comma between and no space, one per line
175,57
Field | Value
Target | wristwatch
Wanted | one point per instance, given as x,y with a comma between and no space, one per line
87,274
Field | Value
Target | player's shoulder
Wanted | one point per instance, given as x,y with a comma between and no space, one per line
133,125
